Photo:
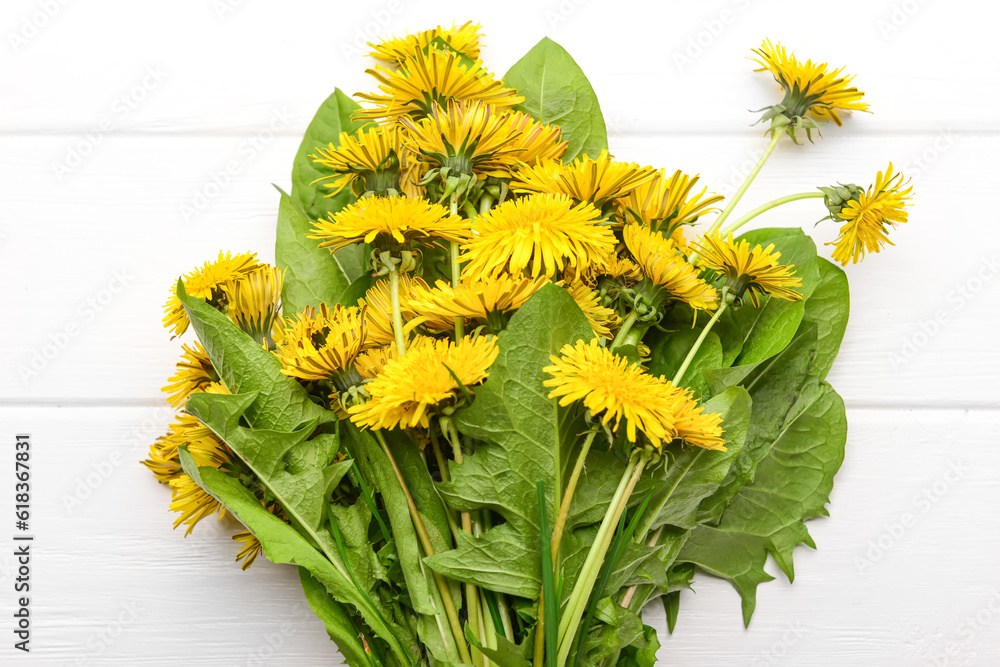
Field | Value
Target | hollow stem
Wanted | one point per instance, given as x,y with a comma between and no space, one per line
763,208
623,332
567,498
701,338
456,275
397,315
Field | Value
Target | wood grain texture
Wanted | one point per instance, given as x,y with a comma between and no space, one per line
138,140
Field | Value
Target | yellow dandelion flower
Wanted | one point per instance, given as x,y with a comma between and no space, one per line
695,427
809,87
466,137
868,218
585,179
320,344
463,38
367,161
429,78
249,550
620,269
390,222
539,235
194,372
667,268
537,142
411,387
477,301
664,204
602,320
192,503
207,283
613,389
255,303
754,271
377,303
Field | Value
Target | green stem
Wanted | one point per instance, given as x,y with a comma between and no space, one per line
397,315
623,332
456,276
568,495
697,344
591,567
743,188
774,203
425,542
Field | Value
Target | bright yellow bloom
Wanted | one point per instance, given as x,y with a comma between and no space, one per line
668,269
411,387
194,372
463,38
602,320
432,78
753,271
695,427
367,160
467,137
539,235
250,549
321,344
585,179
377,303
255,302
867,220
609,385
809,87
477,301
537,141
207,283
389,222
664,204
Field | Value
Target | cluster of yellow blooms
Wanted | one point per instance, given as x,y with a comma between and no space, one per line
448,165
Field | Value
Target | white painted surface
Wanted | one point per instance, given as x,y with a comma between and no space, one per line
211,80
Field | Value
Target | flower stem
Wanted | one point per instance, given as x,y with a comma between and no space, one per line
397,315
425,542
456,275
701,338
568,495
774,203
743,188
573,613
623,332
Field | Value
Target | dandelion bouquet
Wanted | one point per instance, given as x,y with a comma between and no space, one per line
503,391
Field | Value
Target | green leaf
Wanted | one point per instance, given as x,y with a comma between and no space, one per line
312,275
828,309
282,543
332,118
668,352
245,367
635,656
335,616
557,91
506,653
691,474
526,437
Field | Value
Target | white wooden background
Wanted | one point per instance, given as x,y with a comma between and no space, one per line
116,115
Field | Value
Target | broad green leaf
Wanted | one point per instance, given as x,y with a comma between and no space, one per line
667,353
690,474
619,628
828,309
245,367
635,656
332,118
526,437
312,275
738,558
339,624
506,653
282,543
557,91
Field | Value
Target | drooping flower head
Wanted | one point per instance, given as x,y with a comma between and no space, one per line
255,303
664,204
412,387
749,270
388,223
811,90
867,215
368,161
597,181
666,268
194,372
463,38
539,235
432,76
207,283
465,138
321,343
476,300
613,389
